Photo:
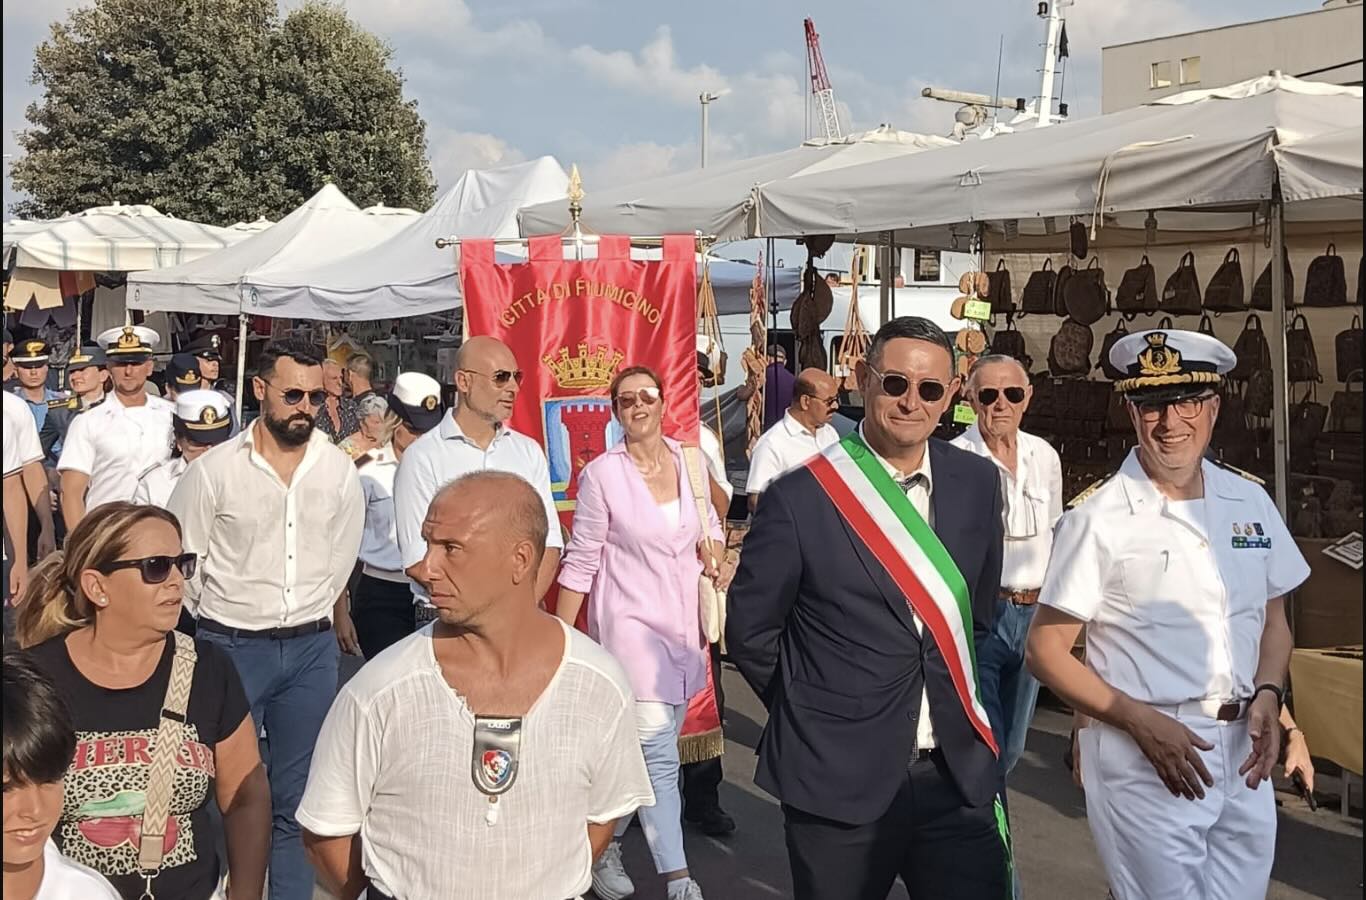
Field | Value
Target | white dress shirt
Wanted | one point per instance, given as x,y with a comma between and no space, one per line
716,464
782,448
1032,505
1174,594
114,444
379,554
271,555
156,484
444,454
20,437
392,764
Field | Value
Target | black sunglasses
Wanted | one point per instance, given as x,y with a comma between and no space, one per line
500,377
987,396
894,384
156,569
295,396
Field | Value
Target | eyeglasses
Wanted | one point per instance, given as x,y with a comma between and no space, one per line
830,402
1186,407
500,377
296,396
647,396
156,569
987,396
894,384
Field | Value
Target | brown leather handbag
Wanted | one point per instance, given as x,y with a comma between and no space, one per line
1181,295
1225,293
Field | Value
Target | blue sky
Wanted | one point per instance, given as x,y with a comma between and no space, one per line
613,85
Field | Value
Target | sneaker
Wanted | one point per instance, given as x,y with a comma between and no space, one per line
610,881
713,822
690,890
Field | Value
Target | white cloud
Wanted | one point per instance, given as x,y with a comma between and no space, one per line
654,70
639,161
453,152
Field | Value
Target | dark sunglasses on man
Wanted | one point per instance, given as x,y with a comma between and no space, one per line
500,377
296,396
1014,395
156,569
894,384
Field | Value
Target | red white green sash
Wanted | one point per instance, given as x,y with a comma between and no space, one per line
887,523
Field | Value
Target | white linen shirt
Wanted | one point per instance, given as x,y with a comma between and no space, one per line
271,555
710,446
114,444
20,438
392,763
379,544
1174,607
156,484
1032,505
444,454
782,448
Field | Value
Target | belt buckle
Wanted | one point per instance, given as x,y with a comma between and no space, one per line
1228,712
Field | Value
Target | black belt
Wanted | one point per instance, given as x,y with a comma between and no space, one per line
274,634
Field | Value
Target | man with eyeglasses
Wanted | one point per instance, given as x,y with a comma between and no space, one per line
116,439
276,515
473,437
998,390
1178,569
867,578
803,431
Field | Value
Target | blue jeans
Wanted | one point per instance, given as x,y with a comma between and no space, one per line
1009,692
290,685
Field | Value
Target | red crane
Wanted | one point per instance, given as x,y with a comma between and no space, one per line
820,83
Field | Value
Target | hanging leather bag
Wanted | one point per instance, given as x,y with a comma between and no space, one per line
1345,408
1206,326
1060,290
1347,348
1307,418
1138,290
1261,291
1111,371
1181,295
1037,296
1325,284
998,289
1301,362
1252,349
1260,393
1086,297
1069,353
1225,292
1009,342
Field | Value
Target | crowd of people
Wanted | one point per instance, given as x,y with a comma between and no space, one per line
173,725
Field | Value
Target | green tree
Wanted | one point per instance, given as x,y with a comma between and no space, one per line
217,111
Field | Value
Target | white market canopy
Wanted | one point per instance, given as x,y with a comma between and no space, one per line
326,227
118,239
1321,167
721,200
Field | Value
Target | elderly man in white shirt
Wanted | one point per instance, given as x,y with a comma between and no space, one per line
803,432
472,438
276,515
999,392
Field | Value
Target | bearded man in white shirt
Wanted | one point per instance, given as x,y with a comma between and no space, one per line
276,515
803,431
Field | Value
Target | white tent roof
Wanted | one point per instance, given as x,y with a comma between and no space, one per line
719,200
325,227
261,223
1186,157
119,239
1323,166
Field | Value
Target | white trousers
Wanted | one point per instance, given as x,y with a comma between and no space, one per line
1155,846
658,725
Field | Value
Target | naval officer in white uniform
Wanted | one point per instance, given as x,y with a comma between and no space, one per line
1178,568
202,420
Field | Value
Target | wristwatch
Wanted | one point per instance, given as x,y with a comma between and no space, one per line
1273,688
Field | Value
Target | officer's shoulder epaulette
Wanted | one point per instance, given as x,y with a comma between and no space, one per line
1239,472
63,403
1088,492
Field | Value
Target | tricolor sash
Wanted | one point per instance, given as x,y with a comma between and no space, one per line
884,519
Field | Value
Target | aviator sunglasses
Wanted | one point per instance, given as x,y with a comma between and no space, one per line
987,396
894,384
156,569
647,396
500,377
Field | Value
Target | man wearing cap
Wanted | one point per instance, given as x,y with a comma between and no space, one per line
182,374
31,359
201,421
86,375
109,444
1178,569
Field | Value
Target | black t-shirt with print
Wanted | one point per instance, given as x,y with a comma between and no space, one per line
105,786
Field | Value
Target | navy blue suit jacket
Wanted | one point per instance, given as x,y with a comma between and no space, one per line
827,640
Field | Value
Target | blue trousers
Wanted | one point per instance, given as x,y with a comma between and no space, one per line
1009,692
290,685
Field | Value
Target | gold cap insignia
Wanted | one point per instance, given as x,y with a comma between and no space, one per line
33,348
429,402
209,416
129,340
587,370
1159,359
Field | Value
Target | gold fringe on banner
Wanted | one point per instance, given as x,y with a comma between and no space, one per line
696,748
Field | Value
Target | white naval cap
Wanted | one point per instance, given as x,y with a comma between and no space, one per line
416,399
204,416
1164,362
128,342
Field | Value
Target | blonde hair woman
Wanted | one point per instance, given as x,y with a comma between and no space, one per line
97,620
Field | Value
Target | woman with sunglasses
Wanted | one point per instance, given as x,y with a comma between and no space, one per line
637,546
97,619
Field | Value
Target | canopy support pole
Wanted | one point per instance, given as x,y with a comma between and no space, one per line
885,279
241,363
1280,417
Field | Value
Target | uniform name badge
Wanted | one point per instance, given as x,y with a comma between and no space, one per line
493,766
1250,536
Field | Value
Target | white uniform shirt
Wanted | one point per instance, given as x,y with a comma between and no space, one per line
444,454
64,879
271,555
20,437
716,464
113,444
379,544
393,764
1174,607
1032,505
156,484
782,448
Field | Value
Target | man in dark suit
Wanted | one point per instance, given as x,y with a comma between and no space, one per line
856,624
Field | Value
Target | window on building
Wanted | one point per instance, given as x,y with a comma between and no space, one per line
1190,70
926,265
1160,74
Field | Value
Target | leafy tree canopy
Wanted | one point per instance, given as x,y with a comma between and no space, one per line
217,111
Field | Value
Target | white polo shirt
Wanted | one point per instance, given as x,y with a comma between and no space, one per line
444,454
1032,505
782,448
1174,594
379,544
114,444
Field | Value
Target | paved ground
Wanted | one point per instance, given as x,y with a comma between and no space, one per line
1318,855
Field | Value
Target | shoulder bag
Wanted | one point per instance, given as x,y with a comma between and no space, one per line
1252,349
1037,296
1106,343
161,777
711,603
998,289
1225,290
1325,284
1261,291
1060,290
1008,341
1301,362
1086,297
1347,348
1345,411
1069,353
1181,296
1138,290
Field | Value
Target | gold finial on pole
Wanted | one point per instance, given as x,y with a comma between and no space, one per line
575,193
